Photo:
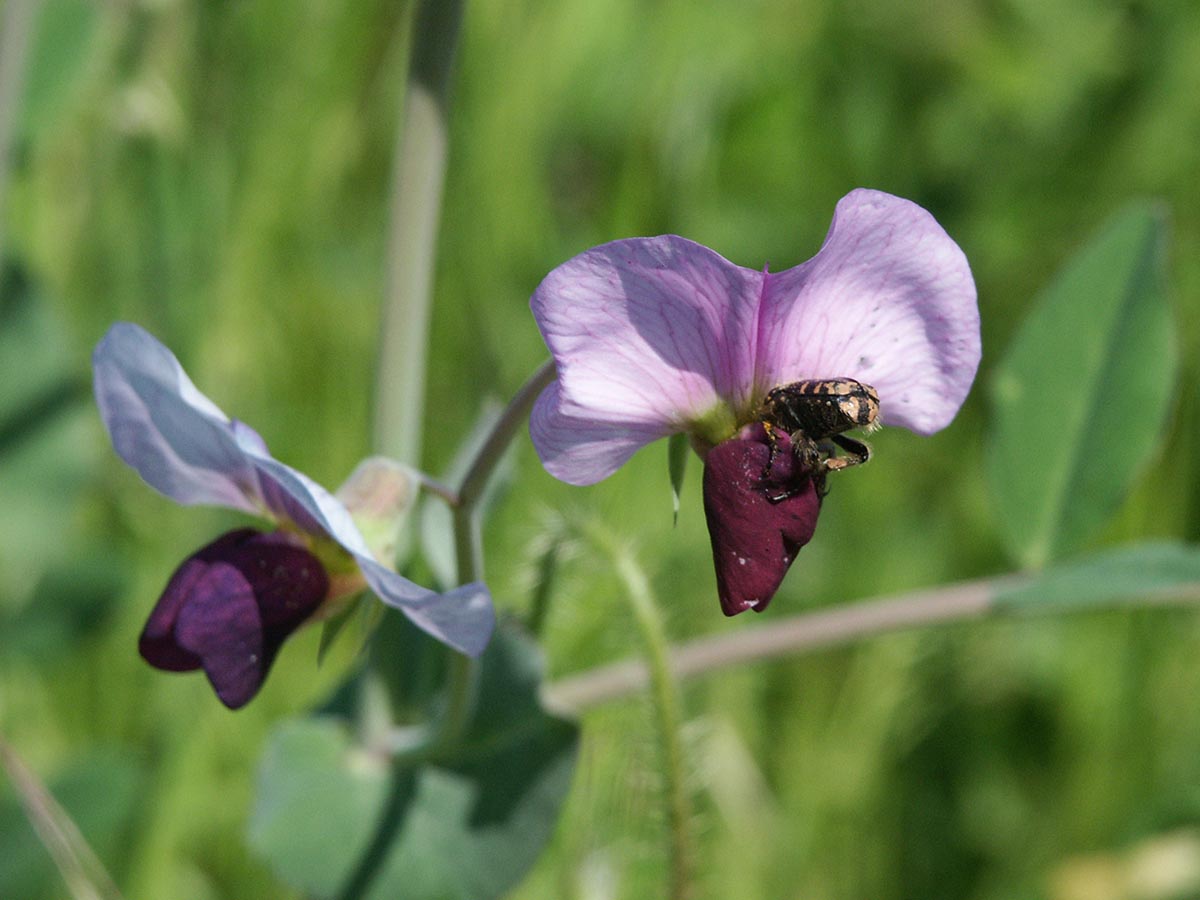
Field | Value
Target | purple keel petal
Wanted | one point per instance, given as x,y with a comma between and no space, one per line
757,519
889,300
648,334
221,625
230,607
162,426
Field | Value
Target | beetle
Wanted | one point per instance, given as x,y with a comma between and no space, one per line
815,414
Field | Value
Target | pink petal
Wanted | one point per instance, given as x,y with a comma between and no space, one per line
648,334
889,300
580,450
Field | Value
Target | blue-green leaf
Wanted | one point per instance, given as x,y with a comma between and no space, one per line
1136,572
468,824
1080,399
319,796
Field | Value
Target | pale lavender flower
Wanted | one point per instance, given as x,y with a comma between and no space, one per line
189,450
657,336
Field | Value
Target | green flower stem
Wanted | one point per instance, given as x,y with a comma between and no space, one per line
412,746
806,632
665,696
420,169
464,671
400,792
491,451
467,545
17,18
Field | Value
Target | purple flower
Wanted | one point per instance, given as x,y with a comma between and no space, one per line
217,609
230,606
657,336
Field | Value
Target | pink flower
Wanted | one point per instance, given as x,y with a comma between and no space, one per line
219,612
657,336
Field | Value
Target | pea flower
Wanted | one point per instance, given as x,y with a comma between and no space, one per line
229,606
658,336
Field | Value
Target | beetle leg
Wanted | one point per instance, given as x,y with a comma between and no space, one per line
858,453
808,457
772,447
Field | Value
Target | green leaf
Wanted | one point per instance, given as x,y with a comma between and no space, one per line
1080,399
48,436
1130,573
469,824
677,457
319,796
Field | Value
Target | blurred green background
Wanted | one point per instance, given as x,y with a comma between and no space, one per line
219,172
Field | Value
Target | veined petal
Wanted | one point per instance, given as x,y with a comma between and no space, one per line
186,448
579,450
462,618
177,439
648,334
888,300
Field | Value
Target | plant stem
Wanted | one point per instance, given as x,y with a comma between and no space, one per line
783,637
419,173
420,168
463,685
665,697
491,451
17,18
400,792
806,632
78,864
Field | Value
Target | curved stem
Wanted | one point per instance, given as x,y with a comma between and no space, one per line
665,696
492,449
813,631
463,677
785,637
400,793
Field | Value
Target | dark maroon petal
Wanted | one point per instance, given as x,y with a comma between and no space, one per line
288,582
758,520
229,608
221,624
157,643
